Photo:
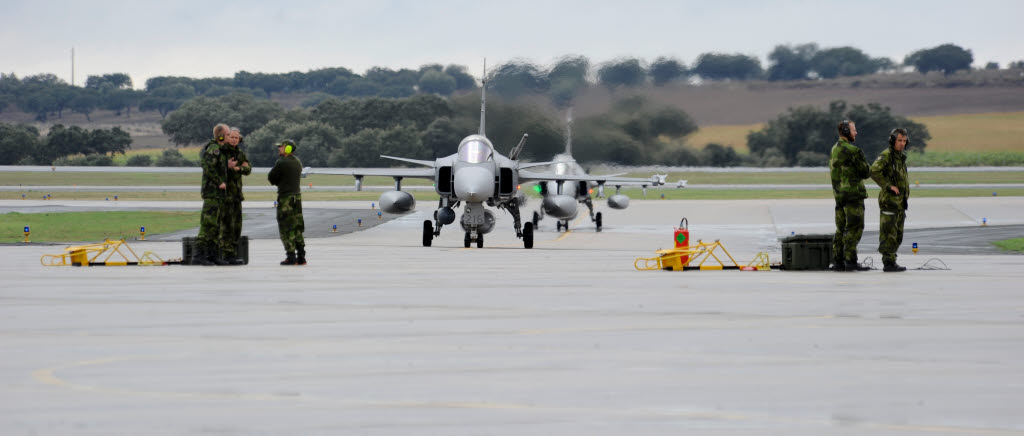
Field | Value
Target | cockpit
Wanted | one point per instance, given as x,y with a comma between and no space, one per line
475,149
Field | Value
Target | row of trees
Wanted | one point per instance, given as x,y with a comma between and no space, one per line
355,132
46,95
21,144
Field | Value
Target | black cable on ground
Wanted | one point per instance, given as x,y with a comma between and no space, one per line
929,266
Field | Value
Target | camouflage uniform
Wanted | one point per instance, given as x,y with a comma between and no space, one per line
890,169
289,221
285,175
848,168
214,173
231,216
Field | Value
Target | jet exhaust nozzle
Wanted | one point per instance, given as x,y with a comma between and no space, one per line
397,202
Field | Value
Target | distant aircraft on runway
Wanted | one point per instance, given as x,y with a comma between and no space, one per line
476,175
560,199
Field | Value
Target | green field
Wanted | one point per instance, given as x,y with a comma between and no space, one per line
91,226
189,153
1016,244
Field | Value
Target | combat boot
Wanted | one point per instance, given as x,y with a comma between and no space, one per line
894,268
199,256
301,259
234,260
290,260
838,266
852,265
217,260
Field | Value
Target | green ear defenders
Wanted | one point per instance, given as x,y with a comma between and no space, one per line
289,146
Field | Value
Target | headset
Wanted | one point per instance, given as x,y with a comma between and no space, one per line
289,146
220,138
844,128
898,131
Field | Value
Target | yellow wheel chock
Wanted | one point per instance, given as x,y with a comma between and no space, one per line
696,257
89,255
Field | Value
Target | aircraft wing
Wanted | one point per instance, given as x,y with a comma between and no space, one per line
530,176
412,173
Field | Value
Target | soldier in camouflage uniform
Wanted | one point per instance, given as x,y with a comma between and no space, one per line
231,216
848,168
204,252
285,175
890,172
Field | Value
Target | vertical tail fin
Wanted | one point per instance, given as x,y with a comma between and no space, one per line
568,133
483,100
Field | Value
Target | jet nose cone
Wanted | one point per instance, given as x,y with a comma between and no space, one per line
474,184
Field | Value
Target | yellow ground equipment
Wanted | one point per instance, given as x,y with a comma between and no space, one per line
103,254
697,257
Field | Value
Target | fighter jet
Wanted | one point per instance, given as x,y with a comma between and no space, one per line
560,200
476,175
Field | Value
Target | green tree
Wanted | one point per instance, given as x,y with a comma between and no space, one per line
791,62
621,72
166,99
842,61
119,100
463,80
17,141
436,82
992,65
517,78
726,66
173,158
441,137
140,160
102,141
85,102
717,155
567,78
665,70
193,122
114,80
947,58
62,141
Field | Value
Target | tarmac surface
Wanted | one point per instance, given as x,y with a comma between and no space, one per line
379,335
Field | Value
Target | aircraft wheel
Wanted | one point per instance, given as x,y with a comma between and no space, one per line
480,241
428,232
528,235
466,241
558,226
536,219
598,221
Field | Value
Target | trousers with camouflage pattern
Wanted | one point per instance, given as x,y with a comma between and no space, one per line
849,229
230,227
890,234
289,221
209,224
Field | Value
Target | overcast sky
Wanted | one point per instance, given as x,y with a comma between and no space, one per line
217,38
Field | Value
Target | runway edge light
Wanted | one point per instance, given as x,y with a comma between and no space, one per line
142,231
26,234
914,249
